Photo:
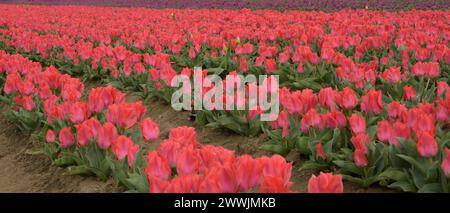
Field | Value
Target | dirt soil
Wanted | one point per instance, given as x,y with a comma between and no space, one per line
23,172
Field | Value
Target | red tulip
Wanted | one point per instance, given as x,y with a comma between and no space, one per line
107,135
347,98
393,75
78,112
442,87
395,109
45,91
399,129
357,124
427,69
325,183
188,161
360,141
426,145
243,64
209,184
50,136
94,125
446,162
360,158
410,117
283,122
405,59
248,172
66,137
125,115
133,149
384,132
149,129
156,184
225,176
335,119
409,93
272,184
300,69
157,166
327,98
372,102
184,184
120,147
84,134
11,83
102,97
320,153
311,119
184,135
270,65
442,112
28,103
308,99
276,166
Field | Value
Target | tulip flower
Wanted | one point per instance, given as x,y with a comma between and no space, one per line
327,98
50,136
372,102
357,123
107,135
248,172
84,134
120,147
272,184
78,112
360,158
149,129
426,145
384,132
347,98
409,93
65,137
325,183
184,135
445,166
131,154
188,161
157,166
320,153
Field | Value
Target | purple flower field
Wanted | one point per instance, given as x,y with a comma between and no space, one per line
325,5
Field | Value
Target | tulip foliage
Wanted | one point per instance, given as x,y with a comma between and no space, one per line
365,92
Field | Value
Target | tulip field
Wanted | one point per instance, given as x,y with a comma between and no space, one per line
364,97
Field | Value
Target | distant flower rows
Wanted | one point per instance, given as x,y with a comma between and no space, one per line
257,4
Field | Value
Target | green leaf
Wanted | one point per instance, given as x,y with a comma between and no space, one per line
139,182
393,174
372,131
64,161
276,148
307,83
414,162
4,99
303,145
431,188
216,71
348,167
79,170
403,185
230,123
35,151
312,165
